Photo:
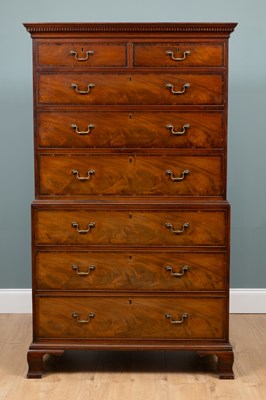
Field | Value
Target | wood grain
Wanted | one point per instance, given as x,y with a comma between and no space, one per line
128,175
201,55
57,54
140,129
135,271
134,89
132,228
130,317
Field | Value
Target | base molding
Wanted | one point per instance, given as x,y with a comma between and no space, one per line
242,301
223,352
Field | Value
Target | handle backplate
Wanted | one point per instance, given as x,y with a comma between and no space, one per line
177,92
177,231
76,87
184,269
178,133
171,55
75,315
76,129
83,231
183,317
75,54
83,178
177,178
85,273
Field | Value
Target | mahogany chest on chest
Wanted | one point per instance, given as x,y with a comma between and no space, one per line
130,222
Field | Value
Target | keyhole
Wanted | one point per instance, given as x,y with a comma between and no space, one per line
130,216
81,48
130,301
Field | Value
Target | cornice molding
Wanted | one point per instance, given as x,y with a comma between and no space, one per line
212,28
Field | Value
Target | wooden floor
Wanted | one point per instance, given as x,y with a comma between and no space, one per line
133,375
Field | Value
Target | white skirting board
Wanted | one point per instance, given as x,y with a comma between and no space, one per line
242,301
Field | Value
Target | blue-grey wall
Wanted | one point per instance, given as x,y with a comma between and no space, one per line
247,119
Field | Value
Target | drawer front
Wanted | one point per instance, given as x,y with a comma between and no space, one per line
137,271
148,88
130,317
94,175
132,228
178,55
81,54
130,129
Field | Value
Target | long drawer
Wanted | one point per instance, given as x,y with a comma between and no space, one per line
116,174
130,317
135,271
157,227
111,129
132,89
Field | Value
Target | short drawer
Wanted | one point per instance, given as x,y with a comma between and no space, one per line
152,227
130,317
81,54
110,129
134,89
127,175
134,271
178,55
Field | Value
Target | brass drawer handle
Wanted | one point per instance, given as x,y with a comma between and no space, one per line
83,321
178,133
90,127
171,88
76,87
177,178
76,269
184,269
177,321
171,54
177,231
75,54
83,231
83,178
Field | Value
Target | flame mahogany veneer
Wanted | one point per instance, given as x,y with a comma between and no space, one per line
130,222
